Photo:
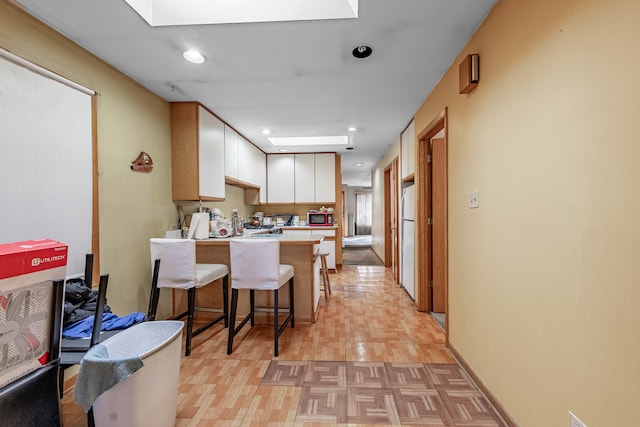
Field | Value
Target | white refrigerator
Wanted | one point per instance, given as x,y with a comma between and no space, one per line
407,277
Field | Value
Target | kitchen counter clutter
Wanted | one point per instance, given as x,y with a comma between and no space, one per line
296,250
285,238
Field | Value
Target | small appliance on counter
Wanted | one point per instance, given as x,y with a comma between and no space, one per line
199,226
320,218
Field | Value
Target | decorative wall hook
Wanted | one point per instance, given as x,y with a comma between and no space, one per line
143,163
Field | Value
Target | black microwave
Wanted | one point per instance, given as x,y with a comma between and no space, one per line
319,218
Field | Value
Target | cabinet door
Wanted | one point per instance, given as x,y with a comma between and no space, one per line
230,152
325,178
407,146
329,246
259,168
280,178
245,160
297,233
210,154
305,178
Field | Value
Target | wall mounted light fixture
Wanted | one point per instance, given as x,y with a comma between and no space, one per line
469,73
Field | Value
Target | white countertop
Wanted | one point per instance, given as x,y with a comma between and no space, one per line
311,227
264,234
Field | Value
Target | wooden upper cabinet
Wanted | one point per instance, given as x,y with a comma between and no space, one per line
197,153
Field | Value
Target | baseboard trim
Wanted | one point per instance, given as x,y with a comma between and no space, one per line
508,419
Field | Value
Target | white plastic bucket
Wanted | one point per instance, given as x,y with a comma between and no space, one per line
149,397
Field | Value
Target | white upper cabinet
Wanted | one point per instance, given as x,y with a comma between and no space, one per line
305,173
301,178
211,131
246,168
245,162
325,179
259,168
197,153
280,178
230,152
407,145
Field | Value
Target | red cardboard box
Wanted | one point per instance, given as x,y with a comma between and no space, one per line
27,272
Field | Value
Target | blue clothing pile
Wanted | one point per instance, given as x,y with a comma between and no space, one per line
110,322
80,303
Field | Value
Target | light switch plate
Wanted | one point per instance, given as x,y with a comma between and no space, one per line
575,421
473,200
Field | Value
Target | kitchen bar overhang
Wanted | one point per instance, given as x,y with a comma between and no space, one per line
298,251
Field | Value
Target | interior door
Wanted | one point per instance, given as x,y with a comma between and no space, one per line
431,224
392,239
438,216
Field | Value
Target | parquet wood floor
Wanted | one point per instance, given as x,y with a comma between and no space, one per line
370,360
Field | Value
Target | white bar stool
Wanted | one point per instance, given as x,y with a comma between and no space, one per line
180,271
255,265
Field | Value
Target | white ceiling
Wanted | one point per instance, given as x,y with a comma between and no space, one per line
294,78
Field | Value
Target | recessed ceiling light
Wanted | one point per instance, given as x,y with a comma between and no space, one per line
193,56
310,140
266,132
358,164
352,129
283,150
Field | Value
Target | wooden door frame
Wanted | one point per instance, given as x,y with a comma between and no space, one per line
423,301
391,245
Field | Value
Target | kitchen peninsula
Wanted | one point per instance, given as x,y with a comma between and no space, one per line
296,250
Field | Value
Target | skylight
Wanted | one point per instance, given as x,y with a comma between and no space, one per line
194,12
309,140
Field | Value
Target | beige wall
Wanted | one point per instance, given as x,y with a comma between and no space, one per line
133,206
234,199
377,197
544,278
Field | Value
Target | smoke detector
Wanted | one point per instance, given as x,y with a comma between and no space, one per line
362,51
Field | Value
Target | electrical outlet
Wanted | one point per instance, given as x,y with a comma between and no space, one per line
575,421
473,200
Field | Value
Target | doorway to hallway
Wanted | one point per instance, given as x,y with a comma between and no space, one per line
433,225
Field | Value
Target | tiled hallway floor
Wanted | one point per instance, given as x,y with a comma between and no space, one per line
371,359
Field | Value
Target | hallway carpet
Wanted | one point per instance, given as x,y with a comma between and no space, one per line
360,256
370,359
